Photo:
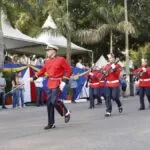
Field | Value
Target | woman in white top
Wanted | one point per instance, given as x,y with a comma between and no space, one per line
18,92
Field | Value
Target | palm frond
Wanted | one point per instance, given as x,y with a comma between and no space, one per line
123,26
93,36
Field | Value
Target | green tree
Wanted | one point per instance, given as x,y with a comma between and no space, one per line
142,52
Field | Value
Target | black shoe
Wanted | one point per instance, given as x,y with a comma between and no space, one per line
141,108
108,114
4,107
99,103
120,109
67,117
49,126
74,102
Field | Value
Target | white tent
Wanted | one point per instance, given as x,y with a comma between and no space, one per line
15,40
59,41
101,61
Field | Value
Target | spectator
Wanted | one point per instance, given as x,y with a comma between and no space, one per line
2,90
33,60
123,85
79,64
24,60
39,62
73,86
39,91
15,59
18,89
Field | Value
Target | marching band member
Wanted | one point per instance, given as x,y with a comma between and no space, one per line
94,85
112,74
55,67
143,74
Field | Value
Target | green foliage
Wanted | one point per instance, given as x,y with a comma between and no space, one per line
89,16
142,52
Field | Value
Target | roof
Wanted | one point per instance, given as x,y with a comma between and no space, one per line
58,40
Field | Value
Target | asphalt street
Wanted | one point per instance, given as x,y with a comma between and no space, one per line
22,129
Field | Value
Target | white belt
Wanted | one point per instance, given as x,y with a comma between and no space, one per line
55,78
114,81
97,83
145,79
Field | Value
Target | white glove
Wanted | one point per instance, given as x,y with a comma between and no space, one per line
144,69
113,66
31,79
62,85
91,74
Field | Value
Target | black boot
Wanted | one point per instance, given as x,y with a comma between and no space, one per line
141,108
120,109
67,117
108,114
49,126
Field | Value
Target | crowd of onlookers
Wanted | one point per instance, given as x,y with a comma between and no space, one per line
23,59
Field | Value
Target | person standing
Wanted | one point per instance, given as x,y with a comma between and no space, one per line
79,64
55,67
17,90
123,82
73,87
143,74
2,90
39,91
112,73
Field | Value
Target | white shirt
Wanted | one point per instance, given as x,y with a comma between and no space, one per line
39,82
20,83
2,84
79,65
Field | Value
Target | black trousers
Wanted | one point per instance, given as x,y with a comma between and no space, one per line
112,93
94,93
54,102
142,92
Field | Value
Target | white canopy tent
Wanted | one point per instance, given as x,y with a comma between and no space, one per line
17,42
101,61
60,40
14,40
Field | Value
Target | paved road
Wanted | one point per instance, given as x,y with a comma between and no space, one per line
22,129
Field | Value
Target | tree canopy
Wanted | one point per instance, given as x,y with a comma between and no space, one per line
92,16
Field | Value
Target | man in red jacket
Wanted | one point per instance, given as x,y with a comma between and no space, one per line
112,74
55,67
143,73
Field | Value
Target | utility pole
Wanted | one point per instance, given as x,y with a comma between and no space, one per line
1,41
129,83
126,39
111,3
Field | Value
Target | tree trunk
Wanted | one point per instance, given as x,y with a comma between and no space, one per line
111,42
1,42
68,52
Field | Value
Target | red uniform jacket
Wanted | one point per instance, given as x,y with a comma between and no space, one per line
144,79
94,79
56,68
112,79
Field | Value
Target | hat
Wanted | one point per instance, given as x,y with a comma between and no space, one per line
143,61
51,47
111,55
